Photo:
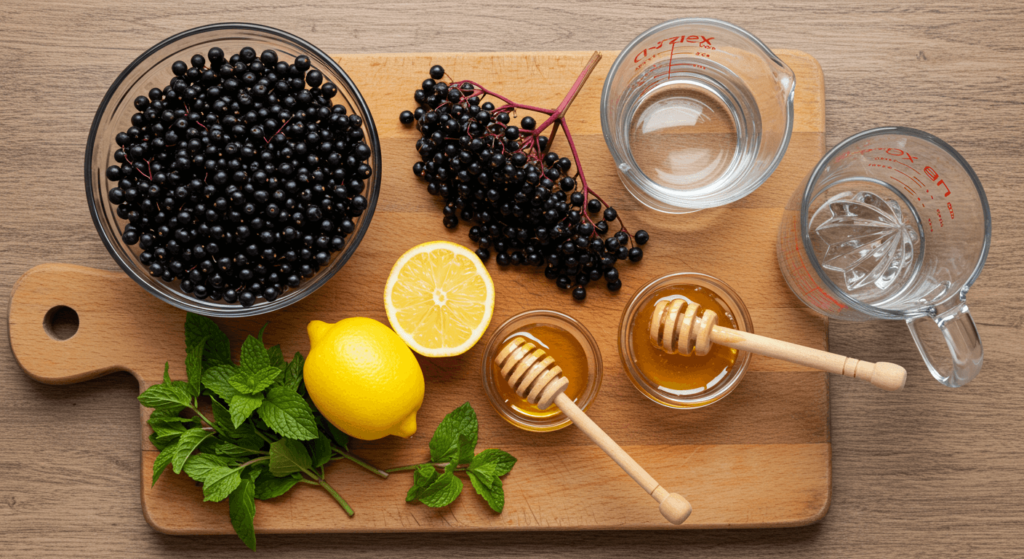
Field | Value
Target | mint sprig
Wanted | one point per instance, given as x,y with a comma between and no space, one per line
265,436
451,451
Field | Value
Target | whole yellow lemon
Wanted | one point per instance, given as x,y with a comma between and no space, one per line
363,378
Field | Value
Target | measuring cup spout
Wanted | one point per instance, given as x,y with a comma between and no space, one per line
785,77
961,336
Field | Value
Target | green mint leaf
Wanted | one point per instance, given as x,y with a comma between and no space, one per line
465,449
242,407
268,487
422,477
293,373
222,418
276,357
201,465
186,445
231,450
444,445
491,490
242,511
219,482
254,355
161,444
167,372
442,492
337,435
194,367
492,462
208,446
217,350
251,441
163,460
216,378
248,381
167,427
170,396
321,450
262,330
288,414
170,415
256,470
288,456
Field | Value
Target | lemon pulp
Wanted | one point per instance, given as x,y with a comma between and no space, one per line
439,298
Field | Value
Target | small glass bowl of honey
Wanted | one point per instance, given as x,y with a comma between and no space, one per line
574,350
683,381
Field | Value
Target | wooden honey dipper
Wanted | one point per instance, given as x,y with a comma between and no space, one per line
533,374
675,330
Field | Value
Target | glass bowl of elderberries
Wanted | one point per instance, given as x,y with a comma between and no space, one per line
232,169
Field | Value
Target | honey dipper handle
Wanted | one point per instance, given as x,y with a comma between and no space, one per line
887,376
674,507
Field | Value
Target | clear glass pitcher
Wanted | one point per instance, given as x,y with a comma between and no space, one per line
697,113
892,224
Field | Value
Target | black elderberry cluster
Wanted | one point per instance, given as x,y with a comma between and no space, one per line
527,208
237,179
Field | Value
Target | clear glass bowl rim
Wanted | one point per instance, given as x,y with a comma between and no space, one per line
805,207
571,325
181,300
696,203
626,325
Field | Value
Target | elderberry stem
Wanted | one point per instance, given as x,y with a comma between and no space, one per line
583,179
509,104
573,92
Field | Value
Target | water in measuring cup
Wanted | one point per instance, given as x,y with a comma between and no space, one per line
868,244
691,129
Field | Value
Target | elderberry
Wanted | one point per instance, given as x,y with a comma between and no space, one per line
524,202
236,179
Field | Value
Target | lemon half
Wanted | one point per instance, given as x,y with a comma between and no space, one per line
439,298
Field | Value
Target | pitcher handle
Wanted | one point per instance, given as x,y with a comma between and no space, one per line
961,335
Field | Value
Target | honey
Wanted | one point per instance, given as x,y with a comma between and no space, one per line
682,374
568,354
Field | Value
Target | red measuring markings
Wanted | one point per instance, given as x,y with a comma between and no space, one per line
902,157
934,175
649,82
701,42
895,152
802,282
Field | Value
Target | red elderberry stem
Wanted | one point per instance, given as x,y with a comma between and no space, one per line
559,112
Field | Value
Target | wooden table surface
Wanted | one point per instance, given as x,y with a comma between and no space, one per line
926,472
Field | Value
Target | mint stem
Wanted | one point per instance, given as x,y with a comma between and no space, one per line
327,487
412,467
347,456
207,421
262,436
253,461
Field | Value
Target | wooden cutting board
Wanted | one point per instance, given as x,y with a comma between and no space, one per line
759,458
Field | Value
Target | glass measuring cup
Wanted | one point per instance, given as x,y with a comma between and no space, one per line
697,113
892,224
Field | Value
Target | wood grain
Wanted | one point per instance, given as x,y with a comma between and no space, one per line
948,463
119,322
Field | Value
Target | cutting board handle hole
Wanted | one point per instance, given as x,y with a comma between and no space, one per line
61,323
